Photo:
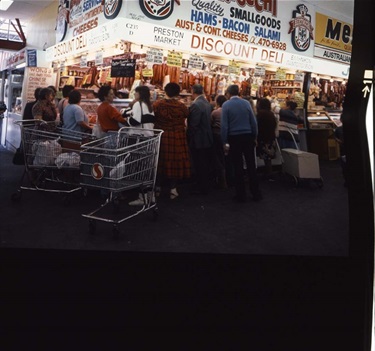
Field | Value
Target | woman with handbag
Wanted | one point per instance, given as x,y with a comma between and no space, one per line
142,112
142,117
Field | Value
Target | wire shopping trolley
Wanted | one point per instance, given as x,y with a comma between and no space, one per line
119,162
52,158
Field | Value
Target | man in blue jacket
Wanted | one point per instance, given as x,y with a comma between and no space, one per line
239,131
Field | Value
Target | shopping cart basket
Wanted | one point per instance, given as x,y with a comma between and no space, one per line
300,165
119,162
52,158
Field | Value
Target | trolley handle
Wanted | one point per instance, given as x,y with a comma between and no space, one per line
30,122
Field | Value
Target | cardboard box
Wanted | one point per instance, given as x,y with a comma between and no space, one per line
300,164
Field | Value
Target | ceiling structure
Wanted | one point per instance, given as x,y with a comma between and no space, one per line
26,10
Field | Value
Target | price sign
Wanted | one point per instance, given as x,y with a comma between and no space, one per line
234,68
123,68
147,72
174,59
280,74
259,71
98,58
83,62
154,56
299,76
195,62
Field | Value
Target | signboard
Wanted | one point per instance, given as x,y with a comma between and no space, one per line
155,56
234,67
259,71
83,62
38,77
147,73
333,39
195,62
123,68
280,74
174,59
31,58
99,58
299,76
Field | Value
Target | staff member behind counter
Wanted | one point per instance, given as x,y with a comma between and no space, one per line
108,116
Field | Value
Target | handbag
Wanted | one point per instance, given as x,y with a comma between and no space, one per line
145,118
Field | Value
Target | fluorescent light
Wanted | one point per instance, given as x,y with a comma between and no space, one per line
21,65
4,5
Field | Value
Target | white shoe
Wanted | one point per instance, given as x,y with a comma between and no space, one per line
140,202
173,194
137,202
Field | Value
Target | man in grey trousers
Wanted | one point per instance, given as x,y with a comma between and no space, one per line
200,138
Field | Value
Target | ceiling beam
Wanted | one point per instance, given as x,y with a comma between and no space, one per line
11,45
22,34
19,30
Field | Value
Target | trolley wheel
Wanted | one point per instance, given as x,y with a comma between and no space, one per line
92,226
155,214
16,197
116,232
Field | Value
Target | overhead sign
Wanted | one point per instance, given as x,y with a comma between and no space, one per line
333,39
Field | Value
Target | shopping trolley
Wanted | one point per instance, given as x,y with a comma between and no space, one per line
300,165
119,162
51,157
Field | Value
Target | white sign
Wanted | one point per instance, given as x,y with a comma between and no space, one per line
259,71
99,58
155,56
195,62
83,61
299,76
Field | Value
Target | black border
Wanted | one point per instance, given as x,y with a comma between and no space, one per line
253,302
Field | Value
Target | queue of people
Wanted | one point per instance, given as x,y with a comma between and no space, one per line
210,145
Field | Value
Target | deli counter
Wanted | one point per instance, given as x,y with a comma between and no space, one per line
321,133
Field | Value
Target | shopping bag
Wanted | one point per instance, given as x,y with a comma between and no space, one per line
97,131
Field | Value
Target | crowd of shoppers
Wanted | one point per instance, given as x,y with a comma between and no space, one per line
211,145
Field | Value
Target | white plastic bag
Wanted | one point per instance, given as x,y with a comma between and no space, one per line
97,131
46,152
68,159
119,171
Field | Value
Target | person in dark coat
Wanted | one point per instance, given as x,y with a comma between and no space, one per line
28,110
220,164
200,138
288,126
266,148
